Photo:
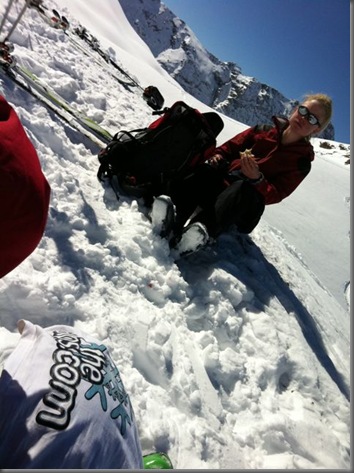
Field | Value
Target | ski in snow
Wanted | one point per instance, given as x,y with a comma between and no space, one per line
31,84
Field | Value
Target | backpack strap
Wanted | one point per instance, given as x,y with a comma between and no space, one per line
263,127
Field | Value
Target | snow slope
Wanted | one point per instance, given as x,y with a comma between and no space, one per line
237,357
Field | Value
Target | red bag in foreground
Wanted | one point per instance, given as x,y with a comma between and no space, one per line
24,192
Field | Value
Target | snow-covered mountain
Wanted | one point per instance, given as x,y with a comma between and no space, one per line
221,85
235,358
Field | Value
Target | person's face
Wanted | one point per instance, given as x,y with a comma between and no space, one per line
307,118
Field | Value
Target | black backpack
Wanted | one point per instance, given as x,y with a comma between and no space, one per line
146,161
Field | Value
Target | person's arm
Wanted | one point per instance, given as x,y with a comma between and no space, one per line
230,150
284,184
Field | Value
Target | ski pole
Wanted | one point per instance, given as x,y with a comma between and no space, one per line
17,20
7,11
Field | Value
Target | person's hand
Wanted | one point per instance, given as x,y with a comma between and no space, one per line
218,162
215,160
249,166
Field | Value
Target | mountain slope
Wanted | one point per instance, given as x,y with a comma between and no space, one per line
219,84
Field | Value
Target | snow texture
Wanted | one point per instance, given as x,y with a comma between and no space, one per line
236,357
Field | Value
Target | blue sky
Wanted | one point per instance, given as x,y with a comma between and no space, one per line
295,46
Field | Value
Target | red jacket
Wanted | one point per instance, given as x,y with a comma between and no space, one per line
24,192
283,166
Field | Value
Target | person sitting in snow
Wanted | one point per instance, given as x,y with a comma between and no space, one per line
74,413
259,166
24,192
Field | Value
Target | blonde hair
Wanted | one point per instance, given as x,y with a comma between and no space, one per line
326,103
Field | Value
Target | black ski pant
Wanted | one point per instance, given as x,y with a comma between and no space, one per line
220,205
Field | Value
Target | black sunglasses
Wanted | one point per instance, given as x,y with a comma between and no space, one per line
304,112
